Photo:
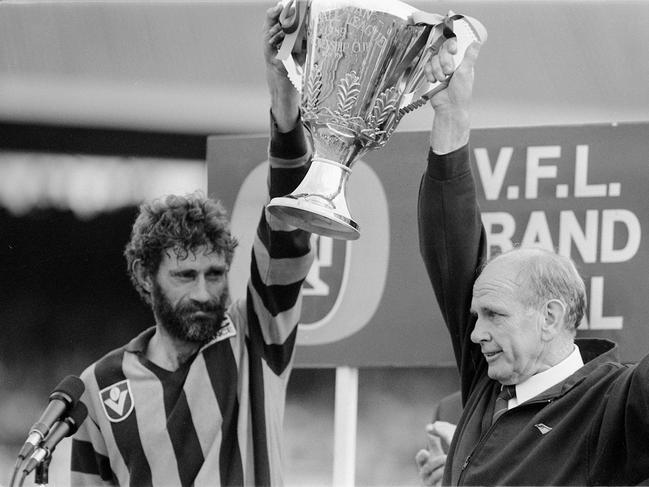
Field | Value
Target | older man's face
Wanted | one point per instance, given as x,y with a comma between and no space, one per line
508,331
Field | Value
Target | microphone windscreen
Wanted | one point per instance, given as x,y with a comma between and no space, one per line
77,416
71,386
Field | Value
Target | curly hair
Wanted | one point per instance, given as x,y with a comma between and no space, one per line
182,224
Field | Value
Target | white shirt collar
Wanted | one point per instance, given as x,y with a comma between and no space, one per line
544,380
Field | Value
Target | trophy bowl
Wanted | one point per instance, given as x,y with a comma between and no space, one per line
364,70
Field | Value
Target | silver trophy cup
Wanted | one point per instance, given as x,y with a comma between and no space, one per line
364,70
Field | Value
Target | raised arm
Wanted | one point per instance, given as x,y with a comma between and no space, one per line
451,237
284,98
282,254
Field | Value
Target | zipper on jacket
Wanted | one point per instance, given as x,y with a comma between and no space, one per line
466,462
484,437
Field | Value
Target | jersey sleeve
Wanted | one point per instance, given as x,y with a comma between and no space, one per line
89,462
281,257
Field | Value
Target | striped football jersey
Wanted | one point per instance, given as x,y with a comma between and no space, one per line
217,420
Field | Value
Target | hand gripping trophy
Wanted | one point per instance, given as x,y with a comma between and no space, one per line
364,70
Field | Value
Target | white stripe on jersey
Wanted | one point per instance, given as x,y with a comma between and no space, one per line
276,389
152,422
280,271
204,408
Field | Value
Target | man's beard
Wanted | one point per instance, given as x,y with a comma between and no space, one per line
180,321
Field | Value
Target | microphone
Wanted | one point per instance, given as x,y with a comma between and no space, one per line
61,429
62,399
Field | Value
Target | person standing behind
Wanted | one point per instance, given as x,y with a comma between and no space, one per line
540,406
198,399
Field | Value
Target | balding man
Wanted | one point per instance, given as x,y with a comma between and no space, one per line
540,406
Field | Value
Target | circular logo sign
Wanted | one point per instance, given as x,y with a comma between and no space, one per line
346,282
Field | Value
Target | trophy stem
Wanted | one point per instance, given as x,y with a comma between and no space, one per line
319,203
364,70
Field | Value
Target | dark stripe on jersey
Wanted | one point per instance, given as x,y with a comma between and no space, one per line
287,145
284,180
255,343
181,428
285,244
82,452
108,371
222,369
277,355
276,298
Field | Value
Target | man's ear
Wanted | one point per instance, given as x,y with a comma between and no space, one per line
142,275
554,314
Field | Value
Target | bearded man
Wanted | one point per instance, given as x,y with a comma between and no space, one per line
198,398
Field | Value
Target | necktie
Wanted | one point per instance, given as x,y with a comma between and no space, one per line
506,393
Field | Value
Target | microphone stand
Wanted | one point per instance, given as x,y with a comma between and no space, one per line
16,471
42,472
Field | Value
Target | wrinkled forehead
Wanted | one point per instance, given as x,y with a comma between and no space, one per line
501,276
205,254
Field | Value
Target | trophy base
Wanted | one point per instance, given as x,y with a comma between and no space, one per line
314,218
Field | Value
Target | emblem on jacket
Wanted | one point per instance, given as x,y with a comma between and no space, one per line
117,401
227,330
544,429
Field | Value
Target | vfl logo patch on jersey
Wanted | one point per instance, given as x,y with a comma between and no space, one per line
117,401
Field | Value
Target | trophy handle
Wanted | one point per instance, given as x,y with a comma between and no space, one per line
289,23
293,44
466,30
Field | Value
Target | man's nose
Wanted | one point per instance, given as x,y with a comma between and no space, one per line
479,333
200,291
